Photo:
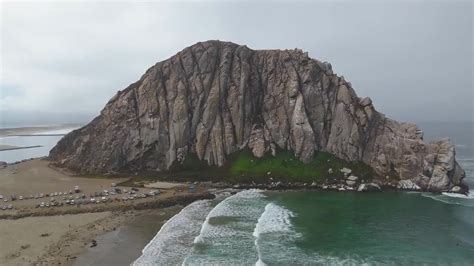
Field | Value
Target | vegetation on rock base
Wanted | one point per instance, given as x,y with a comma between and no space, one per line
243,167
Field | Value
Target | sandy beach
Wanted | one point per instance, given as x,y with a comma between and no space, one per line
34,234
25,240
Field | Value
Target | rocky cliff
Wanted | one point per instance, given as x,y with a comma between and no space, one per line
215,98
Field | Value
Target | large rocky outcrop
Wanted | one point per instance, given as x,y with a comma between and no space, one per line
215,98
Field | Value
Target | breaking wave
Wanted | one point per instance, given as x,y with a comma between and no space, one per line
274,219
249,228
174,240
226,237
226,208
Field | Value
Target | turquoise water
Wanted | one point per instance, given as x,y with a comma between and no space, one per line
326,228
388,228
318,228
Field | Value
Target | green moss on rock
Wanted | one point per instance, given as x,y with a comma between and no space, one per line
242,166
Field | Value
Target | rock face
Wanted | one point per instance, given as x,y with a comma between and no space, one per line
215,98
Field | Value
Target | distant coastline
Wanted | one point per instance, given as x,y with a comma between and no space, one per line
30,141
10,147
40,130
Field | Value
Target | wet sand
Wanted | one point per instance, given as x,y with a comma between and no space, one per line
124,245
67,239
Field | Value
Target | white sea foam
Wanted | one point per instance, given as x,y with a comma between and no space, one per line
226,234
461,196
438,198
226,208
274,219
174,240
451,199
275,242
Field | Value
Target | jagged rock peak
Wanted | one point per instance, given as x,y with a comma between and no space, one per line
215,98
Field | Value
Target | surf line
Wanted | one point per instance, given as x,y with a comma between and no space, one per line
256,233
274,219
220,209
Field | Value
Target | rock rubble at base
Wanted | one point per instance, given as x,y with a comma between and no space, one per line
407,185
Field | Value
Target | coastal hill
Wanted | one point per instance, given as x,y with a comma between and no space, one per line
253,112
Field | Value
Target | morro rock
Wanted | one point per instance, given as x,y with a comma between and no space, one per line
215,98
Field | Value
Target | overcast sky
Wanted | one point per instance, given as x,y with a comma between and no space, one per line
63,61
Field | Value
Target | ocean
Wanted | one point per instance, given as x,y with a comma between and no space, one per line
255,227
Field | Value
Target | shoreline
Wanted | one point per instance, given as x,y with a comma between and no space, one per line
82,234
383,185
126,243
79,238
96,243
74,239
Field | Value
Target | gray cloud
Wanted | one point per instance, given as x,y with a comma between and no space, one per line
413,59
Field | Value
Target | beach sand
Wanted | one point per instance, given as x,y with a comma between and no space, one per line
125,245
21,240
67,239
35,176
63,235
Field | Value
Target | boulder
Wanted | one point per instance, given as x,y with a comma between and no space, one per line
365,102
215,98
373,187
456,189
350,183
353,178
369,187
362,187
407,185
345,171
